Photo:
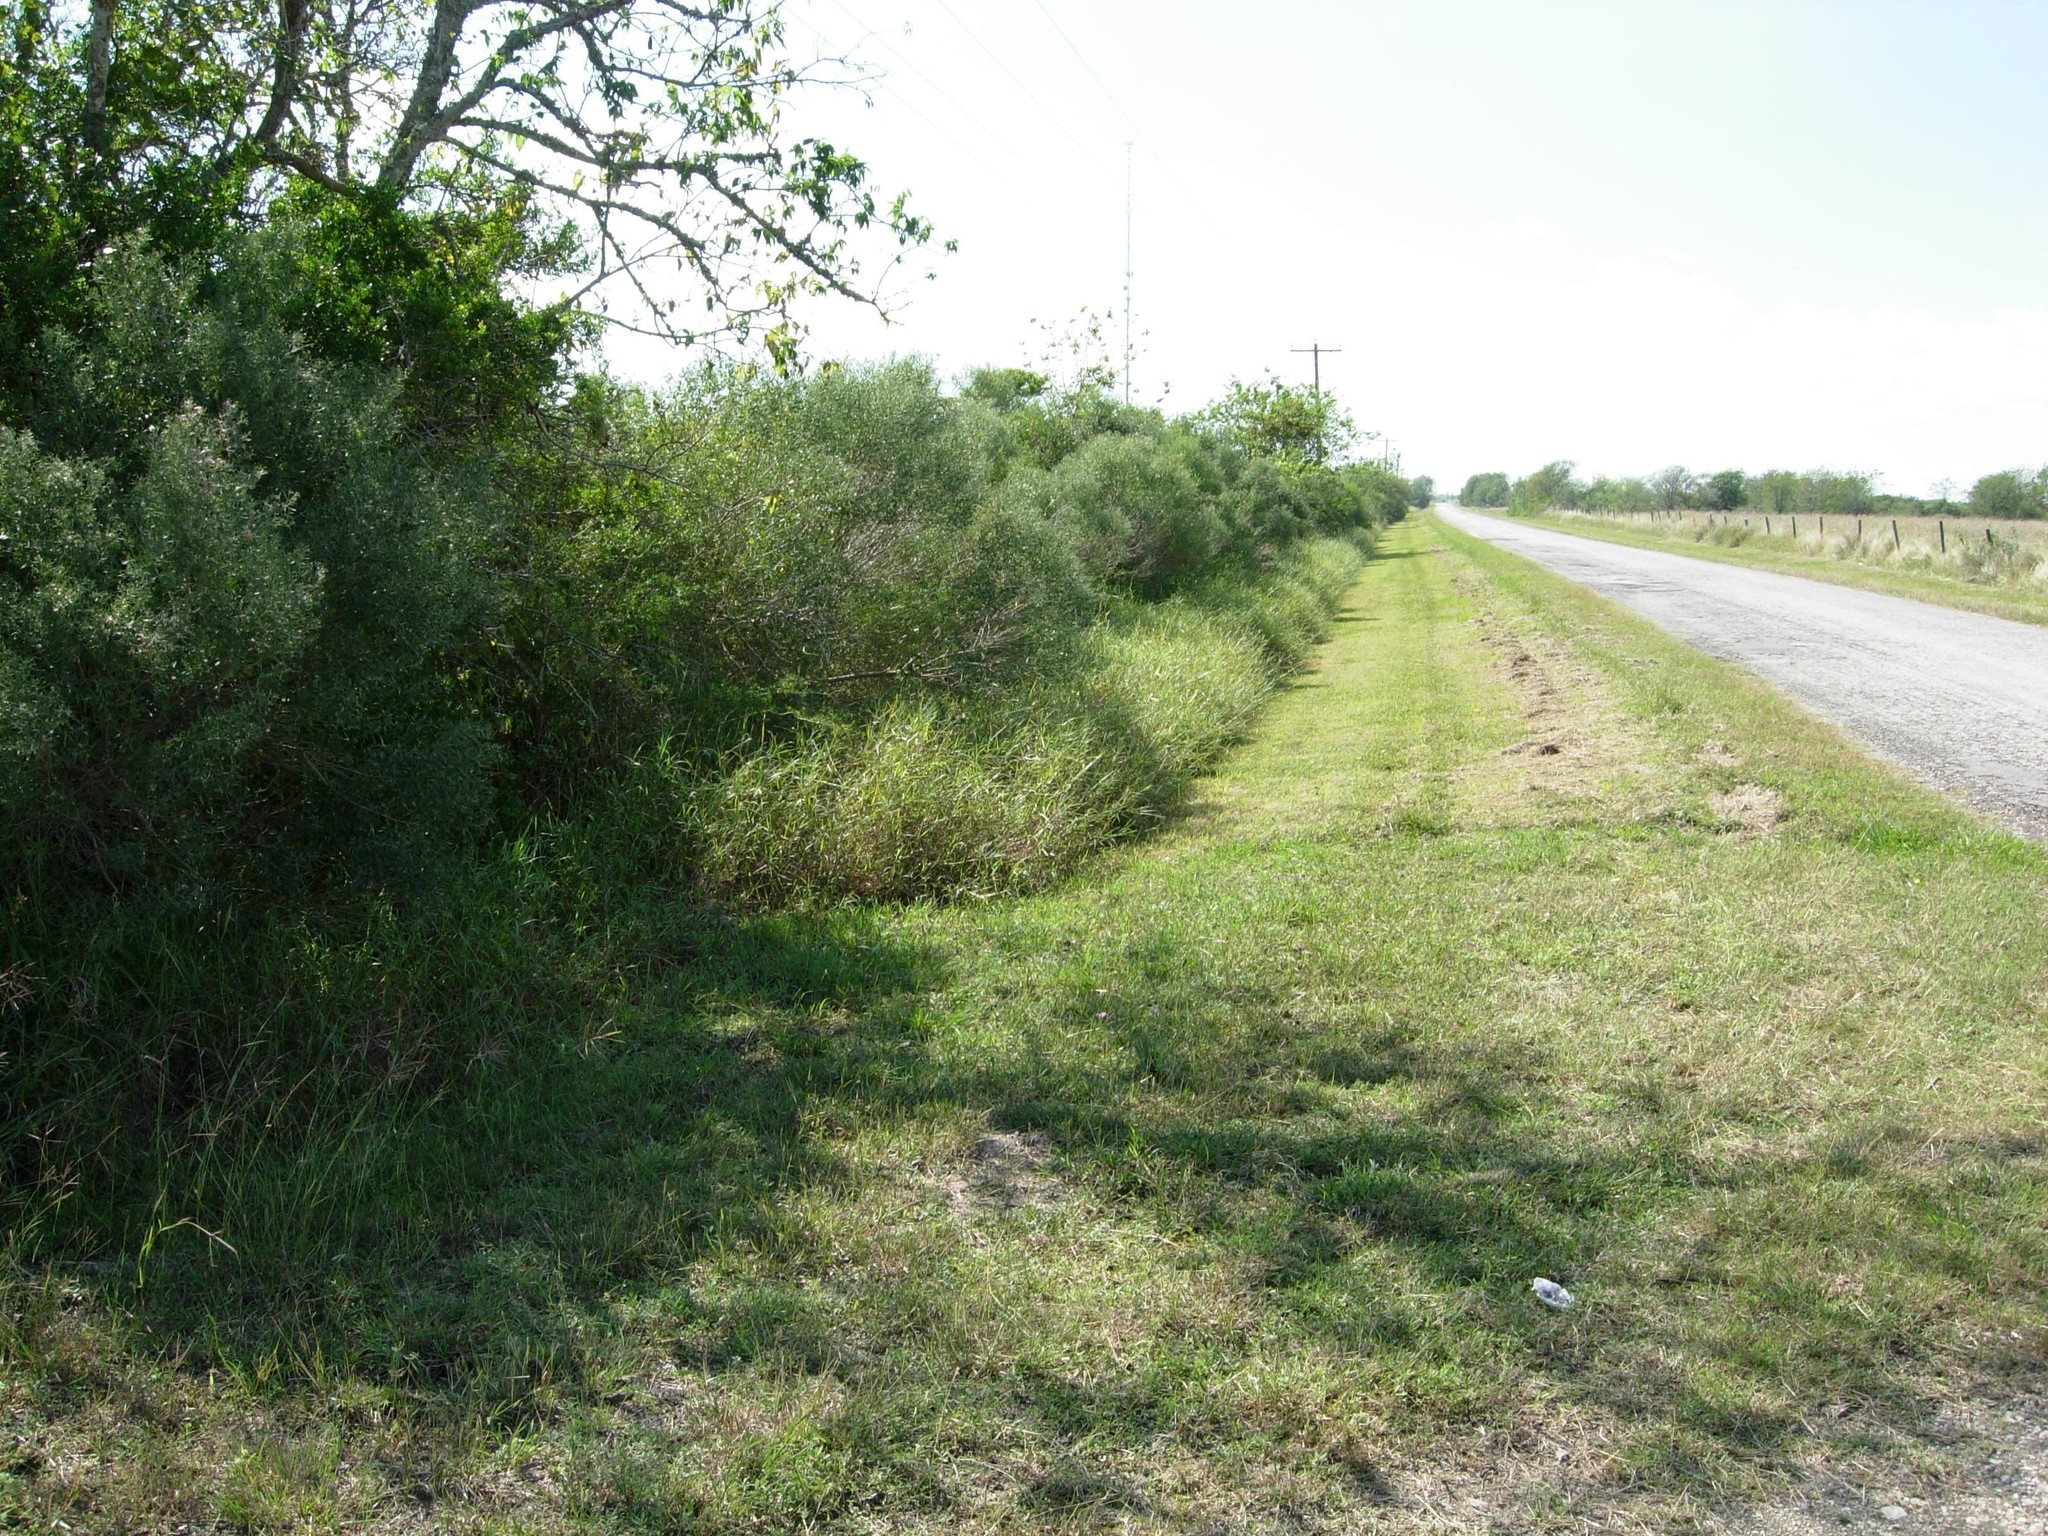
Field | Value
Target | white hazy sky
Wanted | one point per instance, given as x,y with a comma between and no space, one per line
1625,232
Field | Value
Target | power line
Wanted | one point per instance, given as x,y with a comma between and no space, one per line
997,59
943,94
1110,96
881,82
1074,49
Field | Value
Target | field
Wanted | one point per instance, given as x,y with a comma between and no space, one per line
1201,1192
1990,566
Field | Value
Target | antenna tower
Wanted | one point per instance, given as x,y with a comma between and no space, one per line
1127,271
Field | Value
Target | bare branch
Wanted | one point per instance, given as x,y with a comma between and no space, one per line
307,167
284,81
99,60
435,67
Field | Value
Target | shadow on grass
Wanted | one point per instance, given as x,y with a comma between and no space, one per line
474,1251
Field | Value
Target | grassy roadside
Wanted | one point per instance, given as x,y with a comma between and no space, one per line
1203,1191
2026,603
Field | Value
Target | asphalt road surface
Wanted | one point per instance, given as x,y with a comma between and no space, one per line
1959,698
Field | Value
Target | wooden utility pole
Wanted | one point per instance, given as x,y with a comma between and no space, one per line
1316,351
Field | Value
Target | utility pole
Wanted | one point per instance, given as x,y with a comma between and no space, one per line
1316,352
1127,271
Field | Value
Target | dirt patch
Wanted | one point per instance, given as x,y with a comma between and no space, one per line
1749,809
1978,1469
1991,1479
1582,753
1005,1170
1715,754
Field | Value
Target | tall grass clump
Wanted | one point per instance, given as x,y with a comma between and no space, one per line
936,798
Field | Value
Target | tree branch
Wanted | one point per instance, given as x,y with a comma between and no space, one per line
284,79
99,59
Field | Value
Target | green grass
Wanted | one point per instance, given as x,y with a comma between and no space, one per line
1201,1192
1916,570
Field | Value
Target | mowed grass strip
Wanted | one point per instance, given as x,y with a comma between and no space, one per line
1203,1193
1916,573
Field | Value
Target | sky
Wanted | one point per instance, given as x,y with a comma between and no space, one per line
1628,233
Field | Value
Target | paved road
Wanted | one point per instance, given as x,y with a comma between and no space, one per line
1959,698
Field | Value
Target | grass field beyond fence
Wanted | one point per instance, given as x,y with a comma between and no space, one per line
1996,566
1202,1191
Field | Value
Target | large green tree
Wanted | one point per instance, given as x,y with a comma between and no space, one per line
641,142
2010,493
1674,487
1545,488
1727,490
1484,490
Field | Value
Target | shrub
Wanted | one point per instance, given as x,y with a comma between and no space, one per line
908,448
1135,514
233,604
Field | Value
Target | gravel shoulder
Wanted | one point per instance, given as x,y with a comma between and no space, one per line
1961,699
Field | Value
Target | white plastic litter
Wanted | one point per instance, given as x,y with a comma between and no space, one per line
1551,1294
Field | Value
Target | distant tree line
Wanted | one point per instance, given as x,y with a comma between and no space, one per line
2015,493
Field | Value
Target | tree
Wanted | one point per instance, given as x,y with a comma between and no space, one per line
636,139
1727,490
1775,490
1421,491
1827,493
1275,420
1628,495
1005,389
1673,487
1487,490
1542,489
2010,493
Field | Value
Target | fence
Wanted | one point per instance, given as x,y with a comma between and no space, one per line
1843,536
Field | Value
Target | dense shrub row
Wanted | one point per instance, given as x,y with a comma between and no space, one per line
262,636
308,628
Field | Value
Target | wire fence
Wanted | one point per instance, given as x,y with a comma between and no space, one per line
1961,541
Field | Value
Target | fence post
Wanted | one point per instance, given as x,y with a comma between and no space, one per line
1941,529
1767,525
1795,525
1895,535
